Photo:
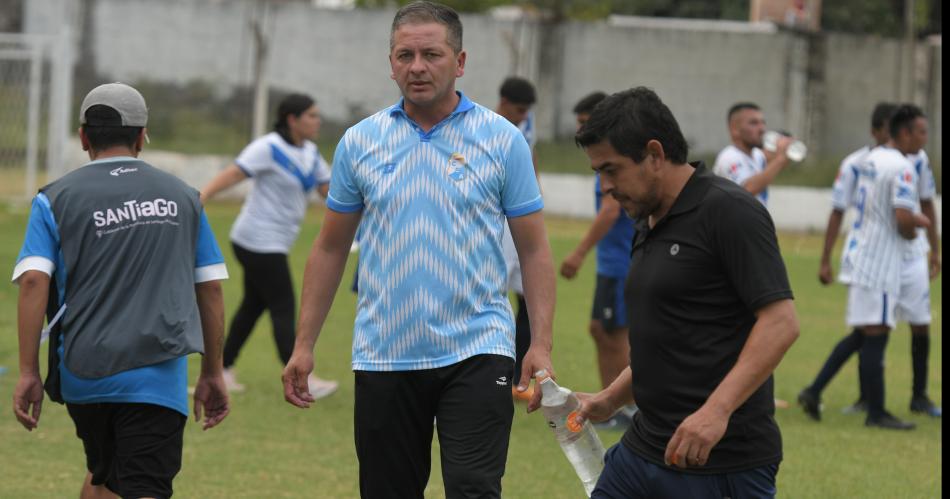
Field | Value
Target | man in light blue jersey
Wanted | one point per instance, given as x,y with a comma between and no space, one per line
120,257
612,232
431,181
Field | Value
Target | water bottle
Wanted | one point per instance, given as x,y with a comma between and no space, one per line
795,151
580,443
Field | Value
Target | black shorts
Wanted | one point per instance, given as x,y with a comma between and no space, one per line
469,405
133,449
609,306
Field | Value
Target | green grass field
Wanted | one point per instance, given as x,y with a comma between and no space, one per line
267,448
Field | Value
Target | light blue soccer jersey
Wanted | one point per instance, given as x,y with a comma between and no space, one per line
434,205
164,383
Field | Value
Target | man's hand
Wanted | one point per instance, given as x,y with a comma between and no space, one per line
695,437
535,359
934,264
825,274
298,369
596,407
571,265
28,400
211,398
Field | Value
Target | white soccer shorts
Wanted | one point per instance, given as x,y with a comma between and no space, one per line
913,304
870,307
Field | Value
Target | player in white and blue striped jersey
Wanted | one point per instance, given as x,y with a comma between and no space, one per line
886,197
913,302
434,179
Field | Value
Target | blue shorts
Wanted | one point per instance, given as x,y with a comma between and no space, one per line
609,306
628,476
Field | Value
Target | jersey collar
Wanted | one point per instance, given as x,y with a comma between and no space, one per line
465,104
694,191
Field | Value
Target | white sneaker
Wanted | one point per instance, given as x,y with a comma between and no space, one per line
320,388
231,382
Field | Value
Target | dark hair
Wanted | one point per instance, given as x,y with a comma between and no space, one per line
423,11
740,106
103,129
586,105
293,104
517,90
903,118
881,115
629,120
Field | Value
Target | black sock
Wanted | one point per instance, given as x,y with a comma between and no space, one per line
920,352
871,368
839,355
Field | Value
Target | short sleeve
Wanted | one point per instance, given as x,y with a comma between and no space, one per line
255,158
41,242
904,189
730,165
749,252
845,183
345,195
520,194
209,262
321,170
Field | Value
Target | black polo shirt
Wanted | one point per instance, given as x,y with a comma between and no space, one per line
695,281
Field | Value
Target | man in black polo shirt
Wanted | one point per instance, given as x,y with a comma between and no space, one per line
710,315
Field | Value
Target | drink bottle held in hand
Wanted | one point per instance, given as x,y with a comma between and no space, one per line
579,442
795,151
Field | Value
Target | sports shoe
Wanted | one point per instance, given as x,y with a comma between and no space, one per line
320,388
858,406
889,422
619,421
231,382
924,405
810,403
524,396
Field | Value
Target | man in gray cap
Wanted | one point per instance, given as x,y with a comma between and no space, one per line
142,293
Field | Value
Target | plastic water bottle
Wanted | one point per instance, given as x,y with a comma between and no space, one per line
795,151
580,443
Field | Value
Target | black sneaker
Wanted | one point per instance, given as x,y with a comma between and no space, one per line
810,403
923,404
889,422
859,406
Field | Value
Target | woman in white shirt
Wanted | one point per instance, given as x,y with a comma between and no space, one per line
286,167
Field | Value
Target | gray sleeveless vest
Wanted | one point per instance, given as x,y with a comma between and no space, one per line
128,233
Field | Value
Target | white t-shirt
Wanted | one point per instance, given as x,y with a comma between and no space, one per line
846,184
738,166
873,253
283,178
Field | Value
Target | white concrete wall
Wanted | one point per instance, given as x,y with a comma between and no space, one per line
796,209
699,68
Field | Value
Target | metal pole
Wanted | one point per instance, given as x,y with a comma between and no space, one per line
259,116
33,117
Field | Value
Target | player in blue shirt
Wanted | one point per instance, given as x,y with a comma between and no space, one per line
612,232
142,293
431,181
